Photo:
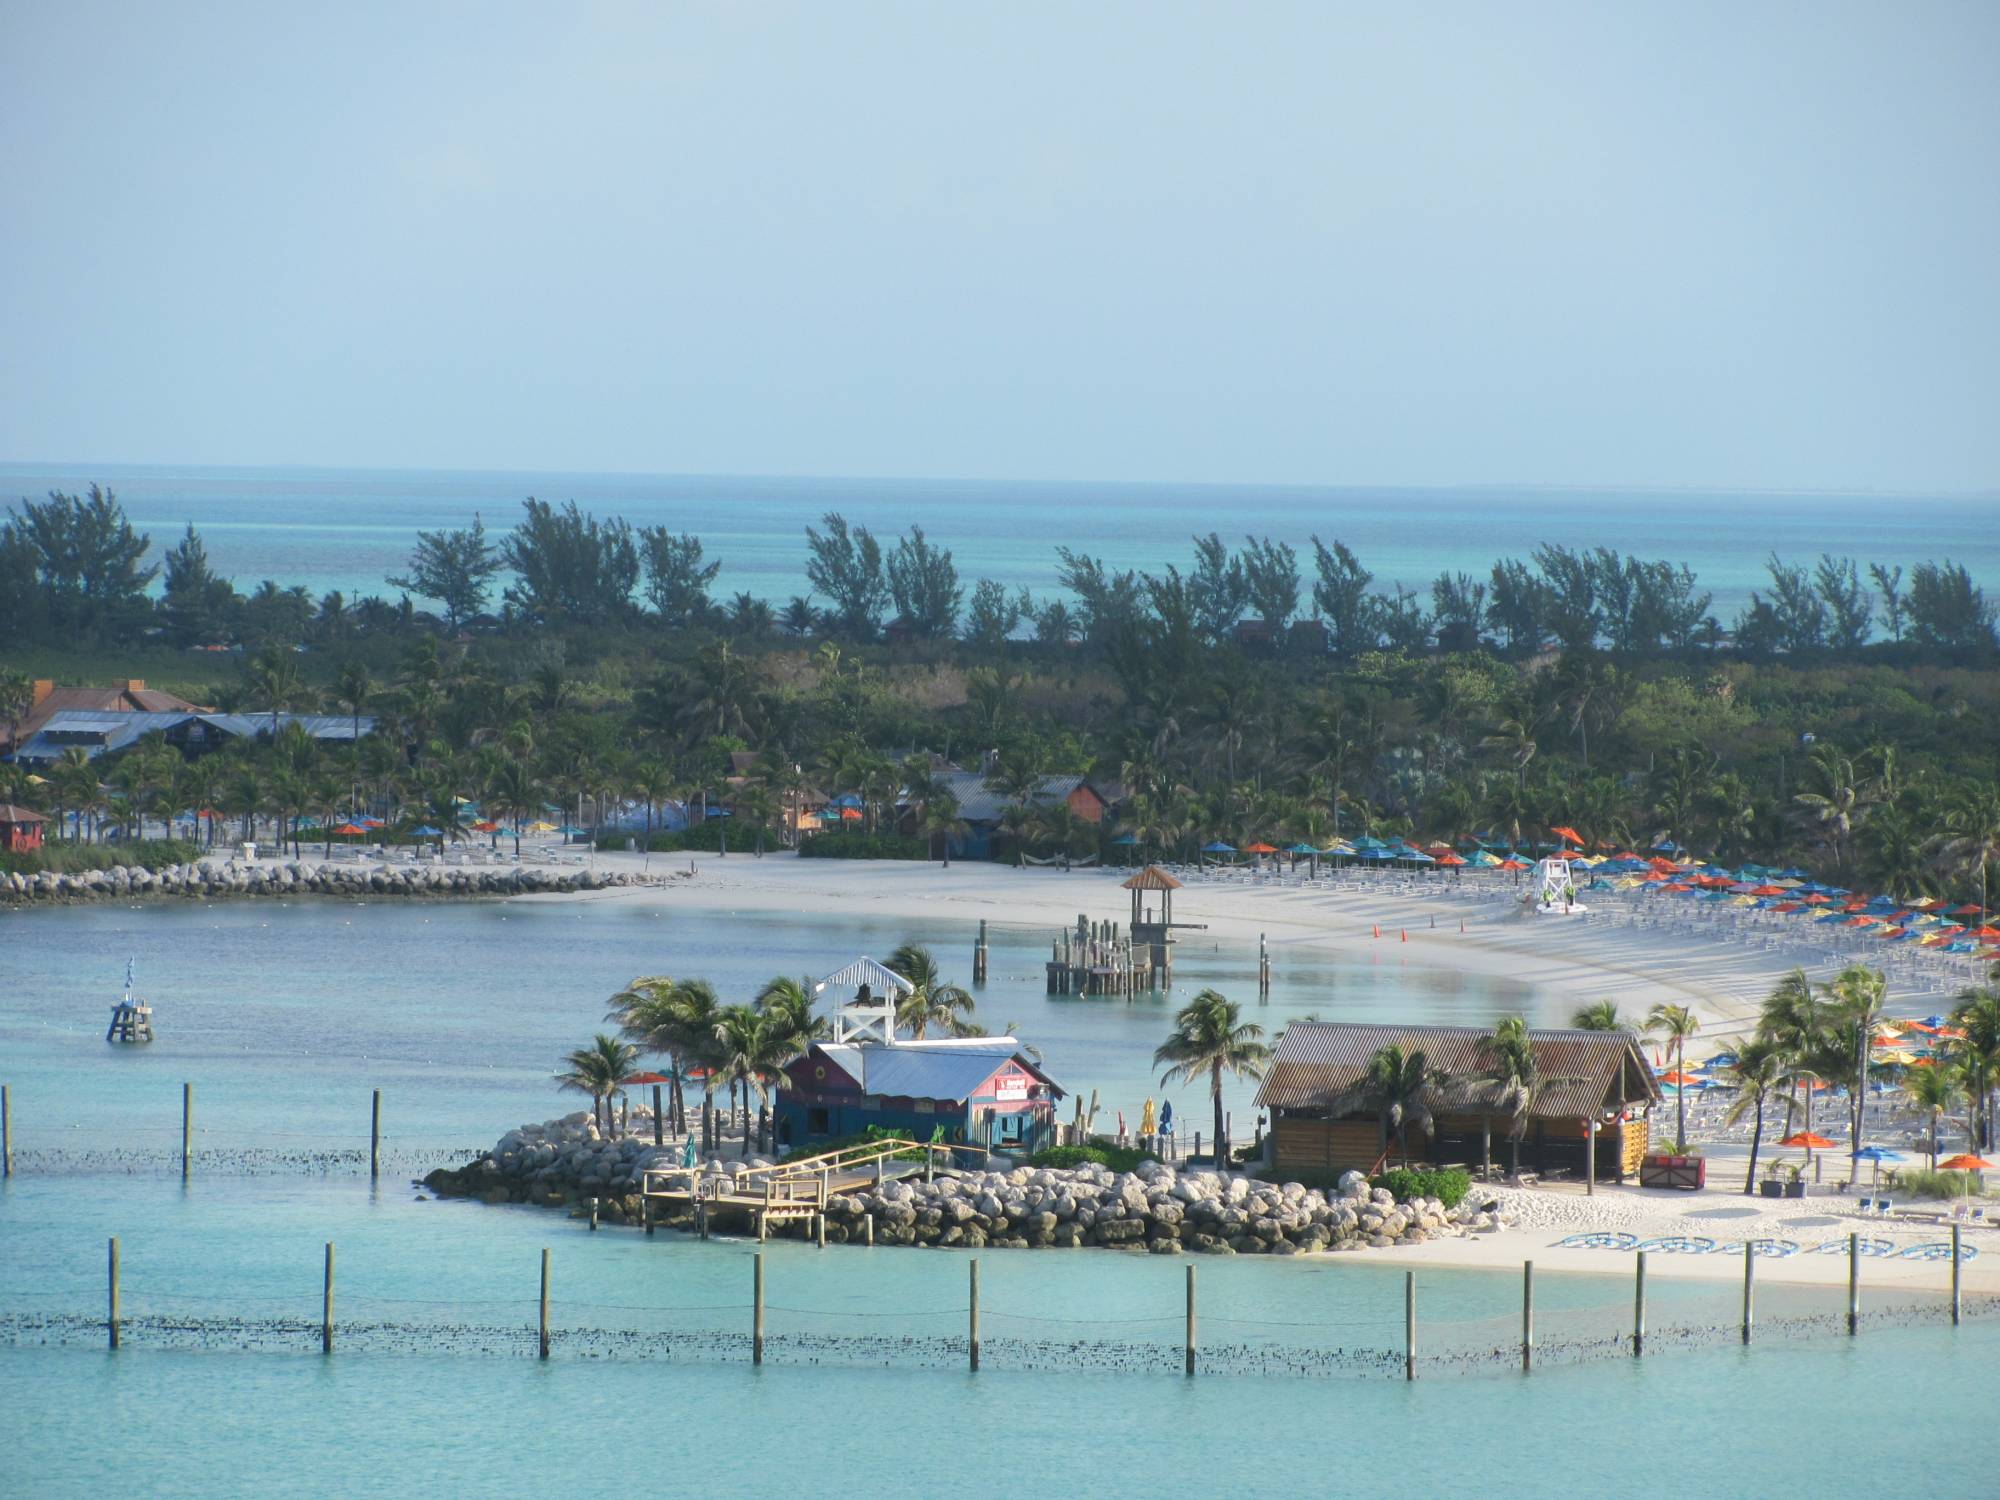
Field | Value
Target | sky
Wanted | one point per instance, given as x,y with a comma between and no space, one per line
1741,245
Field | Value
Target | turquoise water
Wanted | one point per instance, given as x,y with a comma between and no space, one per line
349,529
284,1015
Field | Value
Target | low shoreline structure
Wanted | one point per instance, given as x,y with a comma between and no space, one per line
206,881
1154,1208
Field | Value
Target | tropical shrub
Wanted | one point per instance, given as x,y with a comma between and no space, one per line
1448,1185
862,846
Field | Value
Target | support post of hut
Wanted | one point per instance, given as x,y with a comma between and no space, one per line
1188,1342
1854,1284
1409,1325
1527,1315
187,1127
111,1312
375,1137
1639,1306
1749,1289
757,1309
1590,1157
326,1305
542,1325
972,1325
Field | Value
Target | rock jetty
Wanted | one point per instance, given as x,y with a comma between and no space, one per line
214,881
1156,1209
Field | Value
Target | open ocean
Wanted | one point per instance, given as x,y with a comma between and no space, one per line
349,529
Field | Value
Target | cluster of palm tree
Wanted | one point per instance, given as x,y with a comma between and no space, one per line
742,1047
1812,1035
1210,1039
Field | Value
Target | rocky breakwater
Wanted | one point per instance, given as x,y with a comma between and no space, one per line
214,881
1153,1209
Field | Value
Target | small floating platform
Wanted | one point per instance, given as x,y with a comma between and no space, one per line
131,1021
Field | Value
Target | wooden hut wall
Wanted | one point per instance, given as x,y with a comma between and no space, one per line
1303,1144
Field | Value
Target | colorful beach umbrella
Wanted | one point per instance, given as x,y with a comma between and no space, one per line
1808,1140
1965,1161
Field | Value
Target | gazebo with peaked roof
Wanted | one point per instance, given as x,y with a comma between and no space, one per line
1153,931
871,1014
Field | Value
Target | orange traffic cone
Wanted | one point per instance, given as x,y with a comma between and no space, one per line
1406,934
1378,929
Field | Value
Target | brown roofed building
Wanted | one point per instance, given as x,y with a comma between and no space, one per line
1322,1119
131,696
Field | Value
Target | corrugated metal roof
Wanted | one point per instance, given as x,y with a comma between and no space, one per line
879,978
980,803
941,1069
1319,1064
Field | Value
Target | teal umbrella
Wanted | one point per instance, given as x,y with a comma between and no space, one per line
688,1157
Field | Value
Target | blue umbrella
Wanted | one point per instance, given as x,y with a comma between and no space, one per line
426,832
1878,1153
1125,840
1218,847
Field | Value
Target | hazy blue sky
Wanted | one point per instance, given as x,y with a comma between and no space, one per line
1729,244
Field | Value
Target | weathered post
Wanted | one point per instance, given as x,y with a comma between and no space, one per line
757,1309
375,1137
1853,1284
1639,1307
187,1127
1409,1325
868,1228
972,1327
1590,1157
645,1210
659,1125
6,1132
979,955
543,1340
326,1305
111,1319
593,1214
1749,1290
820,1225
1188,1342
1527,1315
1957,1307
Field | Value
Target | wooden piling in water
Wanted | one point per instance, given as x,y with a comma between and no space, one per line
111,1312
326,1305
187,1127
1639,1306
1853,1284
543,1323
1749,1291
593,1214
757,1309
1957,1305
1409,1325
1188,1338
375,1137
868,1228
972,1326
6,1132
1527,1315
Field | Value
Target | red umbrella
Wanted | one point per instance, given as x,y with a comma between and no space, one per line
483,826
1964,1162
1767,890
1259,848
1449,858
638,1078
350,830
1568,833
850,814
1808,1140
1512,864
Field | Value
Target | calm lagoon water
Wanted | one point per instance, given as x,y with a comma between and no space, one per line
285,1014
349,529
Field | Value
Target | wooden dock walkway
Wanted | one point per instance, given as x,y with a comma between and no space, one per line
795,1189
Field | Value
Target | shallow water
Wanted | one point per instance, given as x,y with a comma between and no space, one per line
284,1015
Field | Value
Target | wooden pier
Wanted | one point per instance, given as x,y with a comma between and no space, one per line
131,1021
791,1190
1096,958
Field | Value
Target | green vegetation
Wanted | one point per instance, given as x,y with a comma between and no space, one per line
1920,1182
1852,730
1448,1185
1211,1038
862,846
1101,1153
73,859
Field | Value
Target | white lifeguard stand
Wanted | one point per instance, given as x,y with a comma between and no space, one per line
871,1015
1554,893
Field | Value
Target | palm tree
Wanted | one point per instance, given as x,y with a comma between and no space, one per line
1971,841
1859,994
1933,1091
745,1056
597,1070
1978,1016
787,1006
352,689
1520,1082
1210,1036
1838,806
1601,1016
274,678
1676,1023
931,1001
1793,1020
756,807
1399,1087
1759,1068
941,823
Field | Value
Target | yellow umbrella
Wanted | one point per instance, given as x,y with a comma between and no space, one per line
540,826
